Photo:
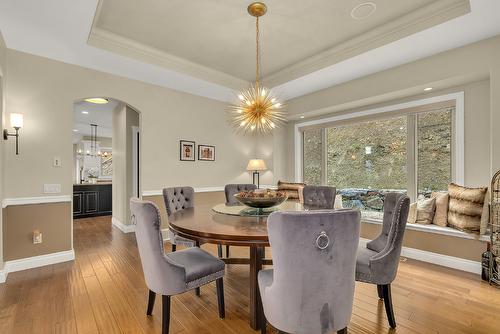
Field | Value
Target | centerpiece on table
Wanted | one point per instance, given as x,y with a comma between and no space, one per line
261,198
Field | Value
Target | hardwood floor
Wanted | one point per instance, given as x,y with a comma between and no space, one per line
103,291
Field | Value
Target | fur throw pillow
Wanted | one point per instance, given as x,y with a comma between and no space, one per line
465,207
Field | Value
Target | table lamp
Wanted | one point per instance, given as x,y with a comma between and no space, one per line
256,165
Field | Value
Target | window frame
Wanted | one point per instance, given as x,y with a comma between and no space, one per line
457,141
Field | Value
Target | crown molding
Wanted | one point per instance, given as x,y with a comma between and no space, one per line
423,18
116,43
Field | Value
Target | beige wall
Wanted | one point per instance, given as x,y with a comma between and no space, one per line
477,129
45,90
52,219
3,57
124,118
473,69
454,68
119,162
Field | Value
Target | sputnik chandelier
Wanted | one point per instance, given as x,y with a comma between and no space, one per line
257,111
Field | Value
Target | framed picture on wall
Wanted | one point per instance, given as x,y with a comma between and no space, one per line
206,152
187,150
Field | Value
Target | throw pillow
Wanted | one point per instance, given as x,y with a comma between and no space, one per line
412,214
425,211
465,207
291,189
441,214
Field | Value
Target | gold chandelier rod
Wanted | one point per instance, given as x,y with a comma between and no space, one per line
257,68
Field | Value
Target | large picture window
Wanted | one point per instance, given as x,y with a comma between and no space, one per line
410,152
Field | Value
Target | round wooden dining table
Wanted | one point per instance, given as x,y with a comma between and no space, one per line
232,226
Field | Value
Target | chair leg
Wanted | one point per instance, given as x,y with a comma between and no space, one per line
219,251
151,302
388,305
197,291
227,251
380,291
174,248
263,322
219,283
342,331
165,321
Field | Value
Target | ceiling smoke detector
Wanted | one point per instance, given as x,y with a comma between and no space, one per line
363,10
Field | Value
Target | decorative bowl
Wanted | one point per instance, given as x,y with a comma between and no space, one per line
261,199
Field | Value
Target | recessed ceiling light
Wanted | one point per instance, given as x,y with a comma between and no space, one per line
75,130
363,10
85,112
97,100
427,89
302,116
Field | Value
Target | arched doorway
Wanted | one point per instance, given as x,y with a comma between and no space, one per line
106,151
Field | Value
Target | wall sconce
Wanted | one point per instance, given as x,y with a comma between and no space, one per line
16,121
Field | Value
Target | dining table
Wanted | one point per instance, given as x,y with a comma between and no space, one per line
235,225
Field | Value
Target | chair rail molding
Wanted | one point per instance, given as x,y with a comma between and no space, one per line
35,200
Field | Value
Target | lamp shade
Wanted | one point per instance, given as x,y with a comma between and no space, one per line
256,164
16,120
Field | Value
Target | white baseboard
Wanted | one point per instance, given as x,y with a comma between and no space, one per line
3,276
122,227
35,262
439,259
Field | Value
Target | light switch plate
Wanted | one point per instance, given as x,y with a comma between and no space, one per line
52,188
57,162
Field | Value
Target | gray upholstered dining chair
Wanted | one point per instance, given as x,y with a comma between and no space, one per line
311,288
169,274
319,197
177,199
232,189
377,262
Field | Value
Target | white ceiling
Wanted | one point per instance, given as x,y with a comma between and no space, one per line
59,29
100,114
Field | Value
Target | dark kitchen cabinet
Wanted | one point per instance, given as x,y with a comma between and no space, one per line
92,200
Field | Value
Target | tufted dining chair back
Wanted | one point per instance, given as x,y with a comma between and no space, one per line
232,189
311,288
319,197
178,198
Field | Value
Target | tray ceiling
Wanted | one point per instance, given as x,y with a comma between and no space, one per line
215,39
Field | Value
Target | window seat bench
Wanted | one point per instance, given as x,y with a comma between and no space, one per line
449,231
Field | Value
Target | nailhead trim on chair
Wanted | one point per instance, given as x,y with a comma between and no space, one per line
203,280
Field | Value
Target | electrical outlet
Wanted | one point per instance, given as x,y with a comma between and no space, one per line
57,162
52,188
37,237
